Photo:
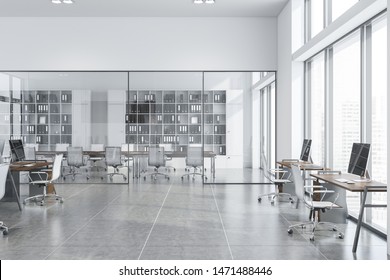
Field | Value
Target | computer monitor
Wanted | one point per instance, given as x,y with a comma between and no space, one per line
305,153
359,158
17,150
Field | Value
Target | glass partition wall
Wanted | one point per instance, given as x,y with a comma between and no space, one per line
134,111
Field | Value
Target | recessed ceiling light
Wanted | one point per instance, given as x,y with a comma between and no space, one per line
56,1
198,1
209,1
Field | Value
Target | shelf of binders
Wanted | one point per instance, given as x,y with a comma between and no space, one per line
175,117
46,116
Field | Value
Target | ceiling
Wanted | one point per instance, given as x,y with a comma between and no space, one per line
141,8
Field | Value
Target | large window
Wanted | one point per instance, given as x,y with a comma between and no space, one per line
347,102
346,99
320,13
379,117
340,7
317,107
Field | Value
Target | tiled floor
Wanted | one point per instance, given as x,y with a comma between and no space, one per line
171,220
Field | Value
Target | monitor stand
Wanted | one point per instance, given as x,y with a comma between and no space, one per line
366,178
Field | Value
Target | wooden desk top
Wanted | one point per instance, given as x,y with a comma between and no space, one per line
28,165
304,165
373,186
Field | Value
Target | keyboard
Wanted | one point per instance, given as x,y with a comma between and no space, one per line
341,180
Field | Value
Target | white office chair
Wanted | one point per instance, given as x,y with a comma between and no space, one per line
157,159
44,181
168,148
75,160
127,160
114,159
278,177
62,148
305,194
3,179
194,159
96,159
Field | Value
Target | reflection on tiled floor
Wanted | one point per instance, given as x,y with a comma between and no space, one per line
172,219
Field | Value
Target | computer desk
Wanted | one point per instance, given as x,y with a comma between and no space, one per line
14,173
361,187
304,165
138,155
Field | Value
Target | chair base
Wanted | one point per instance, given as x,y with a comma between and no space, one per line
42,198
193,175
315,225
273,195
115,173
3,228
73,173
154,175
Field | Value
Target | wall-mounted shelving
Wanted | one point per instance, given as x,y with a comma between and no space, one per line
46,117
175,117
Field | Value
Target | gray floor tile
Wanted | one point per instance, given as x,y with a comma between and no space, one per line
172,220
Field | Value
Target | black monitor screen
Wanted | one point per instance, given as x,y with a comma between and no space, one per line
305,153
359,158
17,151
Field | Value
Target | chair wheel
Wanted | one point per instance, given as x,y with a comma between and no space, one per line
124,178
5,232
259,199
341,236
144,177
205,177
174,169
290,231
312,238
102,178
182,178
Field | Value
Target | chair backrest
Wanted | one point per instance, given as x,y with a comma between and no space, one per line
3,178
56,172
29,153
298,182
113,156
60,147
97,147
156,156
75,156
194,156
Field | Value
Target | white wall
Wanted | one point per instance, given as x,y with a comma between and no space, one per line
138,43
